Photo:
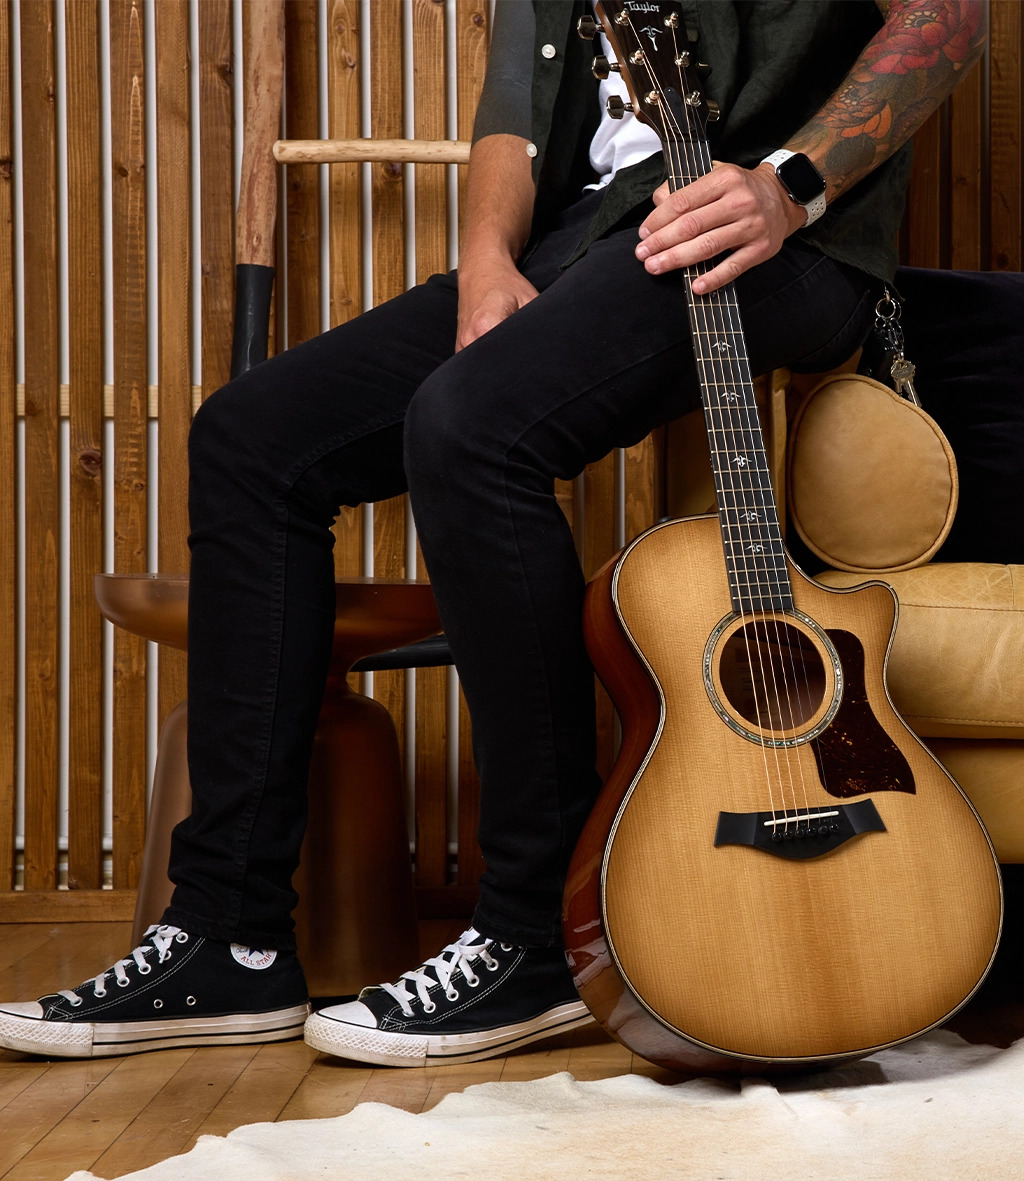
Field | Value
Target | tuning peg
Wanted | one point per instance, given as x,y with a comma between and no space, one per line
713,109
586,28
616,107
602,66
703,69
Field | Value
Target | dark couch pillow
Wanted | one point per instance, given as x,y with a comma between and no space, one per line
964,330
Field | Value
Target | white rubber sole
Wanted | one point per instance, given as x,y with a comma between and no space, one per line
100,1039
385,1048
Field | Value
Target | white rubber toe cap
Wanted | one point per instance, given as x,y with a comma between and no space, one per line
351,1013
31,1009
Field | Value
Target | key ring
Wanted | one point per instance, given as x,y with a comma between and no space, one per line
887,301
887,322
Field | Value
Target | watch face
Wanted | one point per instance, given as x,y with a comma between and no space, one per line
801,178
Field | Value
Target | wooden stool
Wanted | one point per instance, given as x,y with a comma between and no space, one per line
355,921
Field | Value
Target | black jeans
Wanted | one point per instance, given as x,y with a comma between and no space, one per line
380,406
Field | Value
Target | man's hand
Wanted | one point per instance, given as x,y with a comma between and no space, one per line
743,214
490,290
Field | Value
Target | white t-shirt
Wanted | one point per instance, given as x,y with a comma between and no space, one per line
617,143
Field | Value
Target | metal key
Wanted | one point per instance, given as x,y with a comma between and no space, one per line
902,373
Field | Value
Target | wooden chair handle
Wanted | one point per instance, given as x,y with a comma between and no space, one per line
346,151
264,79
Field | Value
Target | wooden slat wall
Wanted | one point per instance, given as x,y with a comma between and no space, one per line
9,614
130,458
41,469
965,211
85,460
174,279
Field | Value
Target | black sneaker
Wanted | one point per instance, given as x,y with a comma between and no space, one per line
477,999
175,989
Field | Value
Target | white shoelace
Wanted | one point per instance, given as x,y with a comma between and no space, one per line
456,957
161,938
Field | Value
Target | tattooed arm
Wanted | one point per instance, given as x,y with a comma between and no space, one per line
912,64
914,61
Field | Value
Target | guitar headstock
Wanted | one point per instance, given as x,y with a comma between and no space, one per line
659,68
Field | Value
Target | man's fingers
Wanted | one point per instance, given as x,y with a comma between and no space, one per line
478,315
728,270
701,192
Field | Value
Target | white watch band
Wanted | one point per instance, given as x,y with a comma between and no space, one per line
814,208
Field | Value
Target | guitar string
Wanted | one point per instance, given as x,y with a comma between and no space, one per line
781,647
775,576
775,547
749,432
699,311
725,423
757,561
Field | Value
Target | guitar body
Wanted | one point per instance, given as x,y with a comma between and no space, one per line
781,880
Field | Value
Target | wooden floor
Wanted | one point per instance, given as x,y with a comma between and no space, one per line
115,1115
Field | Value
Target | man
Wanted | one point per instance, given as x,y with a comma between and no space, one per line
563,335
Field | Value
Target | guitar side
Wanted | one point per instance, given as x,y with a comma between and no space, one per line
869,942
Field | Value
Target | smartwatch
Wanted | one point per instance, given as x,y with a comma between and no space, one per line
803,183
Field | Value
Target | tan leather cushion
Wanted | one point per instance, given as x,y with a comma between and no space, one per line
956,668
871,478
992,775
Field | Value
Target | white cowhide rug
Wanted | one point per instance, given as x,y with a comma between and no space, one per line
933,1109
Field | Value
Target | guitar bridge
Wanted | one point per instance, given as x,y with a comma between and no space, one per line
799,834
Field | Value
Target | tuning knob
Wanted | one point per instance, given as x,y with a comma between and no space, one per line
587,28
713,109
616,107
602,66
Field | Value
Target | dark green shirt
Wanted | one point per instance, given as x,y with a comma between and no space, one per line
773,65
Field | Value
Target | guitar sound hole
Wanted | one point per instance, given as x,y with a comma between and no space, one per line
772,675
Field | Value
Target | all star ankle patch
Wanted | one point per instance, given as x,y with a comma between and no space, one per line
253,957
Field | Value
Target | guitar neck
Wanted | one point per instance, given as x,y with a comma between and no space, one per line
755,554
654,55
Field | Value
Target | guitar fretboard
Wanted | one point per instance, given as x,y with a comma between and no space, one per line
755,555
657,61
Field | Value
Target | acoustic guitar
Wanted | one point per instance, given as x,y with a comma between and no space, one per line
777,872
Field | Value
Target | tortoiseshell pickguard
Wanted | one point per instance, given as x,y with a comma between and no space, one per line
854,754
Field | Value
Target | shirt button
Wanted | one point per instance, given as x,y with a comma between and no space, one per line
531,150
548,51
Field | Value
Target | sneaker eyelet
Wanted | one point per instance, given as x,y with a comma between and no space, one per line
145,969
472,981
493,966
181,937
429,1007
190,1000
164,958
158,1003
505,946
99,992
123,983
452,995
77,1001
